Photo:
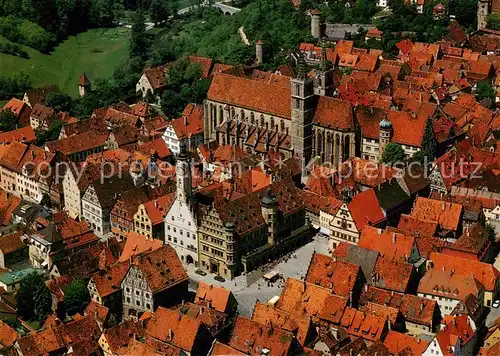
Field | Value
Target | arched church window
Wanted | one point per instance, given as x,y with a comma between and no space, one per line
282,125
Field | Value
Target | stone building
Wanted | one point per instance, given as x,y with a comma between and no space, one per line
153,279
237,235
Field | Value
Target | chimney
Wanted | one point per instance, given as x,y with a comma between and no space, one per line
379,231
366,287
156,203
185,120
443,205
393,237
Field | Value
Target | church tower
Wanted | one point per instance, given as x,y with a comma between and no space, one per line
184,178
303,104
324,76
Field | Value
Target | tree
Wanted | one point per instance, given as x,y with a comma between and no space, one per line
7,120
51,134
33,298
76,297
42,300
59,101
494,21
138,40
485,90
159,11
490,232
393,153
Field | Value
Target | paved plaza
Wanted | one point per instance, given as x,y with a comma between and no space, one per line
252,287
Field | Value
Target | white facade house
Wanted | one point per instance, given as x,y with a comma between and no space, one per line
180,223
72,195
186,131
93,212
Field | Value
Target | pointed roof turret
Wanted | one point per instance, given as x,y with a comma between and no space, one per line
84,81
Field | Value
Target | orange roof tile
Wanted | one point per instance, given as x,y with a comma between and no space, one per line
340,277
251,338
448,284
485,273
136,244
219,348
334,113
417,227
306,299
407,130
157,209
250,94
365,209
7,335
220,299
447,214
205,64
24,134
391,245
397,342
392,275
270,315
171,327
360,324
191,122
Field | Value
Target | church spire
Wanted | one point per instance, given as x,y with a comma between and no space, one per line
184,178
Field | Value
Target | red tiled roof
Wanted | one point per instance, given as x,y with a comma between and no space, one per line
397,342
457,328
334,113
205,63
251,337
360,324
11,242
340,277
156,147
136,244
77,143
417,227
119,335
485,273
177,329
392,275
448,284
219,349
391,245
306,299
407,130
365,209
251,94
268,314
7,335
157,209
219,298
191,122
447,214
156,76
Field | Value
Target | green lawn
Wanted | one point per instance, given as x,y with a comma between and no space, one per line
96,52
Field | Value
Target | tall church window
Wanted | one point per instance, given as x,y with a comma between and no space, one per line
262,121
272,123
252,118
282,125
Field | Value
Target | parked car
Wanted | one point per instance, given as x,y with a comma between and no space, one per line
496,304
219,278
200,272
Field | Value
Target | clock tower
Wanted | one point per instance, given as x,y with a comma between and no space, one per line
184,178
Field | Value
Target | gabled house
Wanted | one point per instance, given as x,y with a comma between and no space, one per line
186,131
20,109
149,218
25,169
99,198
154,279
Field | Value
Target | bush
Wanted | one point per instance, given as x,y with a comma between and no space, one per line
15,85
25,32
